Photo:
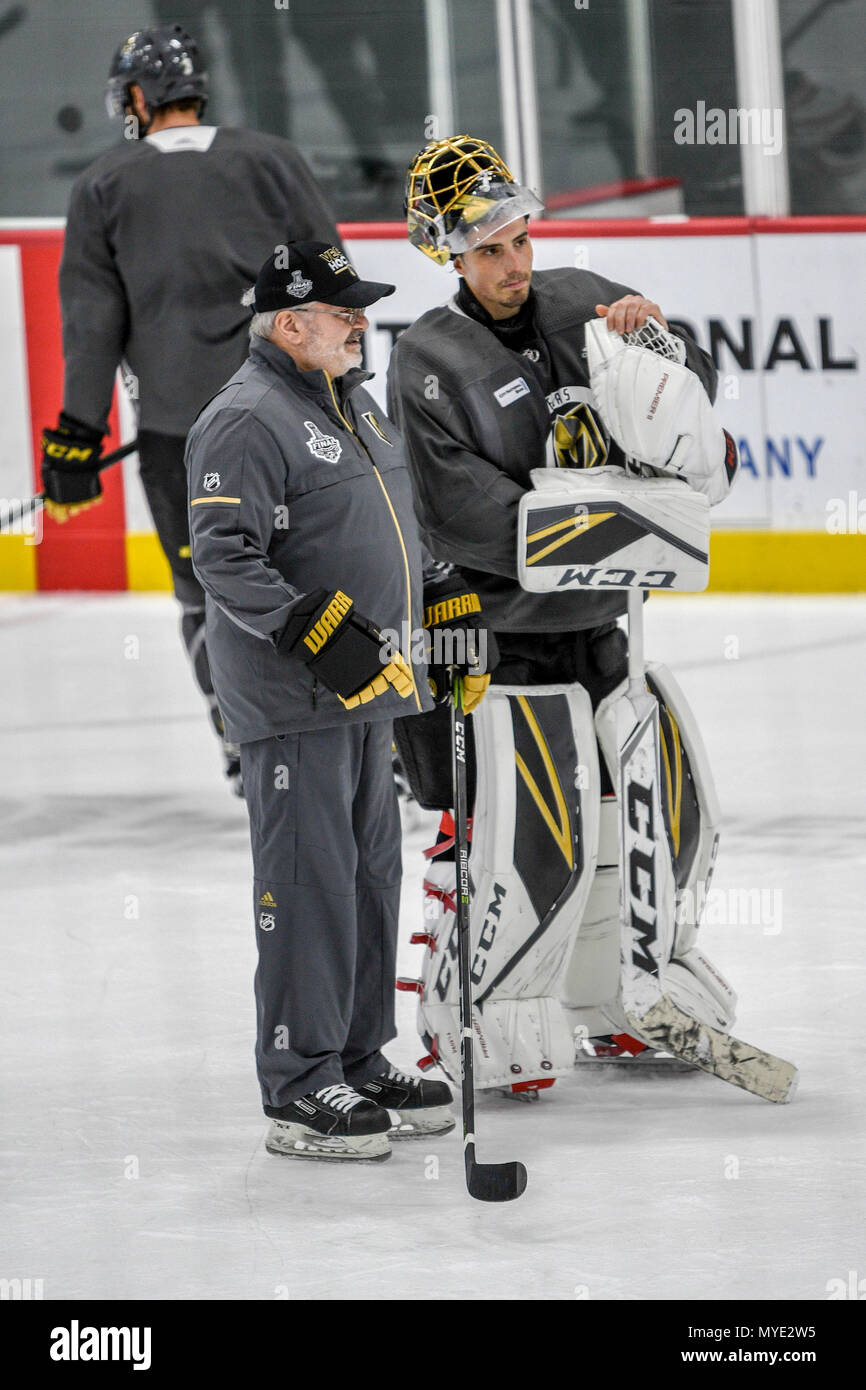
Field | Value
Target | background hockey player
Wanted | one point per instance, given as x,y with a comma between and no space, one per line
304,538
487,388
163,235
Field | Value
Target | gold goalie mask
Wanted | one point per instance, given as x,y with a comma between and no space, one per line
459,193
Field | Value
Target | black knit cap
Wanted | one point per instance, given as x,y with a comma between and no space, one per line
309,272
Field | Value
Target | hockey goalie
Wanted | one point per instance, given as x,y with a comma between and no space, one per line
564,450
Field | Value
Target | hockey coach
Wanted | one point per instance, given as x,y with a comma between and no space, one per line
305,541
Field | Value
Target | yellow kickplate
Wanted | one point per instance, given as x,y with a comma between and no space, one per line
787,562
146,566
17,564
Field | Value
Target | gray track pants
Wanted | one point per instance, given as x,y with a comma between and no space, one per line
325,831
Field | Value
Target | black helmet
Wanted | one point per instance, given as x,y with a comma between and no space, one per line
166,64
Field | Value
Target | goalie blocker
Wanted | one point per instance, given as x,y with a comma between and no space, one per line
601,528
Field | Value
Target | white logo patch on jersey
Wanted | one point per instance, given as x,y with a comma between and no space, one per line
323,446
267,921
211,482
512,391
531,354
299,288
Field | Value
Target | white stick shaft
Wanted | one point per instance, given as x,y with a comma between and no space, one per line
635,642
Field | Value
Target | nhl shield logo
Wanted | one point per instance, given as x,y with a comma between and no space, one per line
267,921
211,482
323,446
299,288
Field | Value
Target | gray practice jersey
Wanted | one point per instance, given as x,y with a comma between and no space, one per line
477,417
163,237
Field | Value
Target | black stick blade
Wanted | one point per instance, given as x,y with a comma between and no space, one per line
494,1182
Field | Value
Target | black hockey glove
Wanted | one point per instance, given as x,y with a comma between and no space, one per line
458,638
347,652
70,468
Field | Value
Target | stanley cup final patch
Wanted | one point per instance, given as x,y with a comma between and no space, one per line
323,446
299,288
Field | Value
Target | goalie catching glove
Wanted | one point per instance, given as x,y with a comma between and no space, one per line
70,468
457,639
345,651
656,408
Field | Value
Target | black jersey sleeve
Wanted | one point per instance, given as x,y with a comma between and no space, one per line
94,309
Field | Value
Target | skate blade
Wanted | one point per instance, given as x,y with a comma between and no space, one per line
664,1062
509,1093
296,1141
421,1124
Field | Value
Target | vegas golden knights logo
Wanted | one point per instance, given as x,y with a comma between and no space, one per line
376,427
577,440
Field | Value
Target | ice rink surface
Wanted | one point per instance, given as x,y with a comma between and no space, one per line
133,1162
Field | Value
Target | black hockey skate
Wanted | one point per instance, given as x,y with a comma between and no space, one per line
336,1122
421,1106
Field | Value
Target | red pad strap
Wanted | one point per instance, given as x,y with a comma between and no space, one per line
447,899
628,1043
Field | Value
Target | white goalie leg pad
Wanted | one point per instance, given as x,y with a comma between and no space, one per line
657,409
591,984
693,814
701,990
684,820
532,861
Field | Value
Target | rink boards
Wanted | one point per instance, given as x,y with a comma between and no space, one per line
775,301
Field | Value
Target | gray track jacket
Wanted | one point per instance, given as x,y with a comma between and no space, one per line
297,483
475,420
161,242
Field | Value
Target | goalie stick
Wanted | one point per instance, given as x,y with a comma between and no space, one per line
17,513
652,1015
487,1182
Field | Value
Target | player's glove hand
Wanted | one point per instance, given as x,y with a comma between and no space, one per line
458,639
346,651
70,468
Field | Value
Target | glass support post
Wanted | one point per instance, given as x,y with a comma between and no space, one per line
761,95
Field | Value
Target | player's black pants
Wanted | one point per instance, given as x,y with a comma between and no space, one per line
163,477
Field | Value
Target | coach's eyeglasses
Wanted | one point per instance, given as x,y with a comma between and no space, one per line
350,315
